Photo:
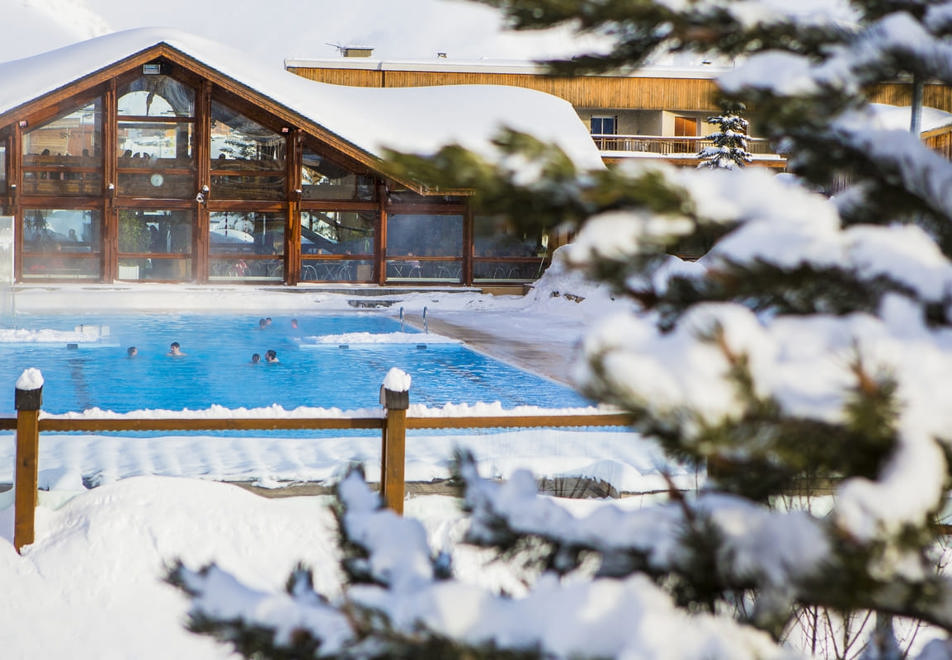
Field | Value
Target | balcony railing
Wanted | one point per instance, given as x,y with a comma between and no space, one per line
670,146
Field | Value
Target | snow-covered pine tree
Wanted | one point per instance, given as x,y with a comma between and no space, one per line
812,343
729,150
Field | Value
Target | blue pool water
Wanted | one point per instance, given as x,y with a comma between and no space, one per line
216,368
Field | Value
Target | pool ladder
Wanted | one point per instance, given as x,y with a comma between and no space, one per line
426,327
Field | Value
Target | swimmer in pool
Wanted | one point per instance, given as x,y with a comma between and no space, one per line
175,349
255,358
270,356
132,351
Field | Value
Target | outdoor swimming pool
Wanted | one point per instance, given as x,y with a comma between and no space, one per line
217,370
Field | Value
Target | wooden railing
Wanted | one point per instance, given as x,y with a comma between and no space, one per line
393,424
669,146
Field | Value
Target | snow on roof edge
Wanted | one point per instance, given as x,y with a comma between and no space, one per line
371,119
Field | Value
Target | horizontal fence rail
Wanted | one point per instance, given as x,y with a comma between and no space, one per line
669,146
392,424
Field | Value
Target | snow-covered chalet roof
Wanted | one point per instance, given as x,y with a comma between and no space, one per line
417,120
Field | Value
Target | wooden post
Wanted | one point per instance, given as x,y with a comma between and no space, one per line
27,404
393,447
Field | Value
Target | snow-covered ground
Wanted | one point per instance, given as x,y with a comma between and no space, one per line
91,587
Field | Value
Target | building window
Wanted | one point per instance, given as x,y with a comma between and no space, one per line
248,159
64,156
61,244
604,125
424,247
246,245
155,244
324,179
155,138
503,253
338,246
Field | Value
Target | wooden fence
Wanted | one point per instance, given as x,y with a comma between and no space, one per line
393,426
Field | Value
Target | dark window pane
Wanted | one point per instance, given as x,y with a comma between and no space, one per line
3,168
241,233
238,142
324,179
338,232
156,96
425,235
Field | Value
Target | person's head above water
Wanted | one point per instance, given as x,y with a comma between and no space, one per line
132,351
175,349
255,358
271,356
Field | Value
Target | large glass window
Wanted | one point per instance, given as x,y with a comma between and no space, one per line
246,245
64,156
323,179
156,95
338,246
61,244
503,252
155,138
155,244
338,232
424,247
248,159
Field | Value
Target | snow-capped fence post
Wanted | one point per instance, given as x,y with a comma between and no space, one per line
395,398
27,400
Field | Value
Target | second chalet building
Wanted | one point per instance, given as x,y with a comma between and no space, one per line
654,112
155,155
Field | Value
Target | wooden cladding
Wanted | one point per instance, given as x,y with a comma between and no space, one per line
581,91
933,95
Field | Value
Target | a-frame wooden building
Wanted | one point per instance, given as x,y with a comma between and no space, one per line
157,156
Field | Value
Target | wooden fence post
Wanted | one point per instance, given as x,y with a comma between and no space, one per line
393,447
27,401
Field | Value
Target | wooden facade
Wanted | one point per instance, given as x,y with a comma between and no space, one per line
694,94
160,168
657,108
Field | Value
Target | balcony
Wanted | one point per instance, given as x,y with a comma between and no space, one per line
678,150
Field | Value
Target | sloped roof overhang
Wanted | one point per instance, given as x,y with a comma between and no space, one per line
226,82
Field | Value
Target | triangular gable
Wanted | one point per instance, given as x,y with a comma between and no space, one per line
358,122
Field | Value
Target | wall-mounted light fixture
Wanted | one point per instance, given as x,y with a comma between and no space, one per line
23,123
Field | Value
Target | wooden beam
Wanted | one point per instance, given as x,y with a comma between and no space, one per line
27,403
